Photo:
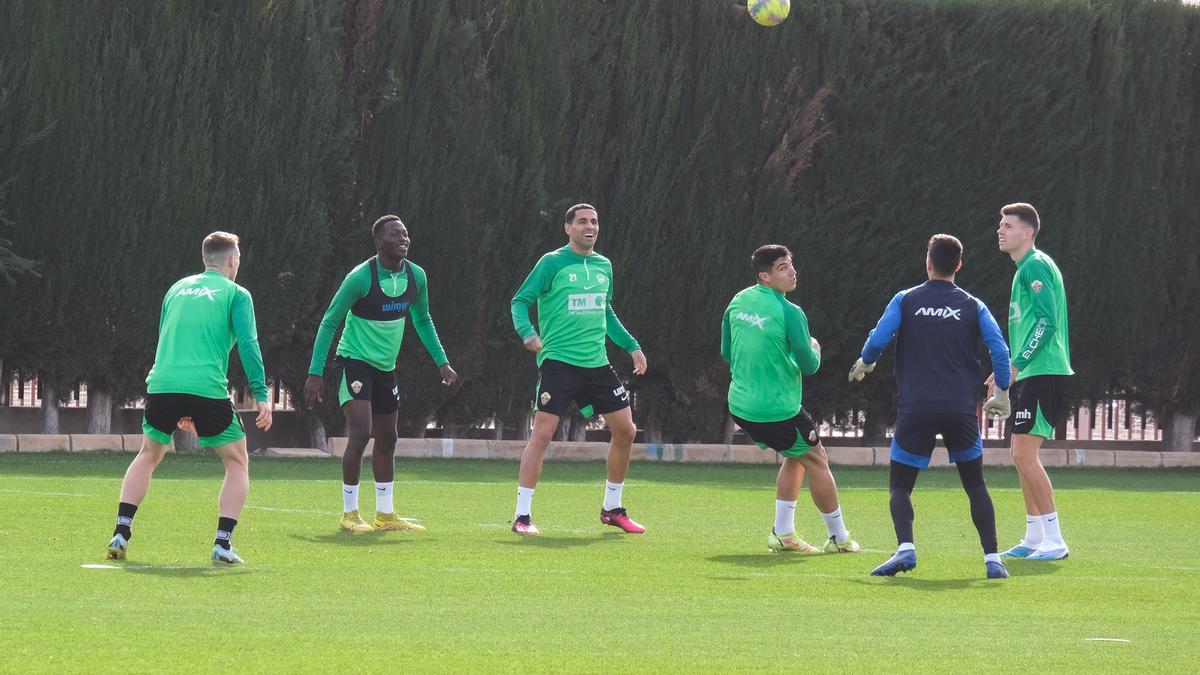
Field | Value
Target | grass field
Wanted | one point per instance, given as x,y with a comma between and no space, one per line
698,592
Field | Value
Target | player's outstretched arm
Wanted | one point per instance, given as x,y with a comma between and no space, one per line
356,285
726,339
804,347
882,335
246,334
534,286
1044,310
423,324
997,348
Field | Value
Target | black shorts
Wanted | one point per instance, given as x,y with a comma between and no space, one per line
363,382
790,438
595,390
217,423
916,434
1038,404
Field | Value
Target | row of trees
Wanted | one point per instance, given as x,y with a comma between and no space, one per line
852,133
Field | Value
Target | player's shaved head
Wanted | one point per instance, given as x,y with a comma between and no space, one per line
575,209
378,228
217,248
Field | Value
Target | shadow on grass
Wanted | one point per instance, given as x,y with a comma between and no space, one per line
1033,568
762,560
552,542
187,571
341,538
207,467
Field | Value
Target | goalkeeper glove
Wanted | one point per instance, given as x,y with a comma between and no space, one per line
859,370
998,406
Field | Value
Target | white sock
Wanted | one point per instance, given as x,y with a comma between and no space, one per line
612,495
991,557
383,497
833,523
524,500
785,516
1050,531
907,546
349,498
1033,532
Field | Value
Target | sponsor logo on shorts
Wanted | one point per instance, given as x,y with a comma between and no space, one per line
753,319
1036,286
356,386
1023,415
812,436
199,292
585,302
620,393
396,392
940,312
544,398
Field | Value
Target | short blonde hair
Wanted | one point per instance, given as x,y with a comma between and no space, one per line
218,246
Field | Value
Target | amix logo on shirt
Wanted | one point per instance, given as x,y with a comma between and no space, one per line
752,319
200,292
940,312
585,302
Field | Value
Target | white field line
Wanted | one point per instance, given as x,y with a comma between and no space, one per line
43,494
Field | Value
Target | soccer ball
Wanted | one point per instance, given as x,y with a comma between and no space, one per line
768,12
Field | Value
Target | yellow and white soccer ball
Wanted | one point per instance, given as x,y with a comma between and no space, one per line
769,12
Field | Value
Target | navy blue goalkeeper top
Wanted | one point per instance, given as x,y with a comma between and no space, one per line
937,327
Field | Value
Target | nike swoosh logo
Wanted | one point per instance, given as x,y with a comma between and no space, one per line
588,288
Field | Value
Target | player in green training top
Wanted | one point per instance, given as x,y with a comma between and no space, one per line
375,299
573,289
765,341
203,317
1041,361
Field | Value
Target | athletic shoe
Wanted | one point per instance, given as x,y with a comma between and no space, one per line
835,546
389,522
353,522
996,570
117,547
227,556
1050,551
789,542
523,526
619,519
902,561
1018,551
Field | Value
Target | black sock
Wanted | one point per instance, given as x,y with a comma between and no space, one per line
983,514
900,485
125,513
225,531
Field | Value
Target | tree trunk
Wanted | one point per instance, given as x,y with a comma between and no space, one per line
652,432
185,441
49,407
4,384
874,428
498,432
316,432
99,411
729,430
1179,433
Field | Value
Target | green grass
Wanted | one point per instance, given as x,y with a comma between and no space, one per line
697,592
